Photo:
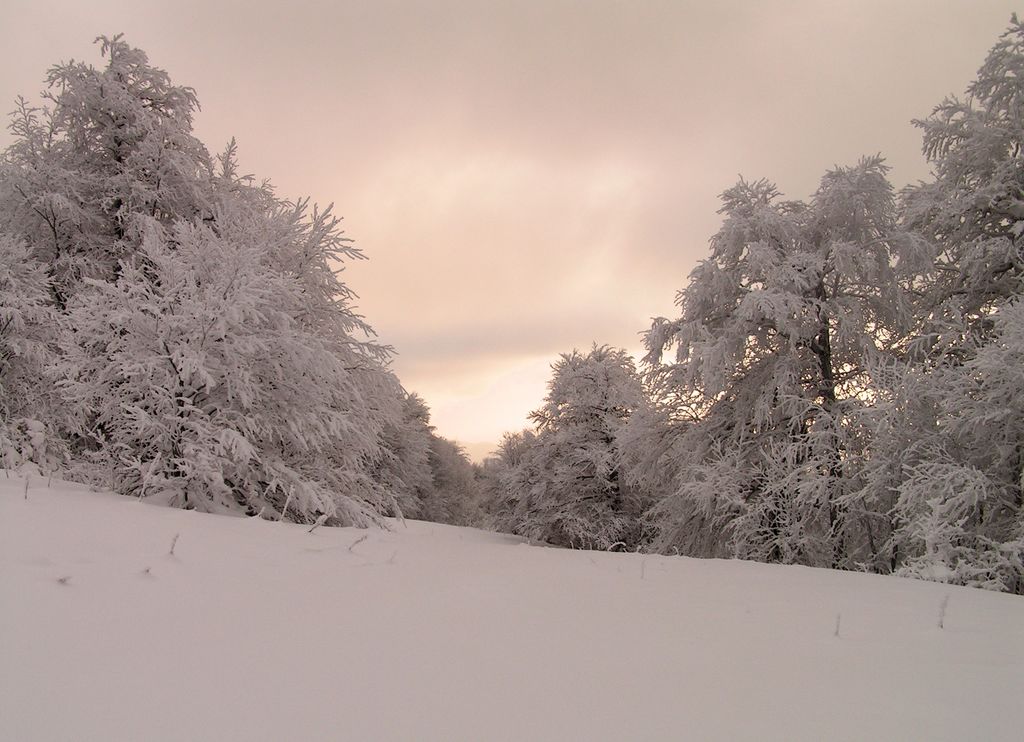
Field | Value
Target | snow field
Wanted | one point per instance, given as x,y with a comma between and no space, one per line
254,630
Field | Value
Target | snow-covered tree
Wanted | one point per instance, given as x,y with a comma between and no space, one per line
778,329
508,478
652,444
456,495
32,414
110,144
565,483
949,447
972,212
948,430
590,399
429,477
219,381
203,329
404,466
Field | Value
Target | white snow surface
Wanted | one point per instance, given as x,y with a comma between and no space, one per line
254,630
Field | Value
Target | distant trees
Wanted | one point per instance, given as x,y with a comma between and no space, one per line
565,483
404,466
455,493
507,480
429,477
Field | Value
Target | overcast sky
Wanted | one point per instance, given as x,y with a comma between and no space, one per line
528,177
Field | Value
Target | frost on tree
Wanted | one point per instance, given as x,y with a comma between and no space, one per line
404,465
30,406
429,477
205,342
565,483
948,440
778,330
972,213
508,476
109,145
454,485
227,384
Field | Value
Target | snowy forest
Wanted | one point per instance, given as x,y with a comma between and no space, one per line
842,386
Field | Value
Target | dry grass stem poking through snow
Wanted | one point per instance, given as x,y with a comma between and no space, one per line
942,612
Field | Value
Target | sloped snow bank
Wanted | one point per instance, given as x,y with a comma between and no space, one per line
254,630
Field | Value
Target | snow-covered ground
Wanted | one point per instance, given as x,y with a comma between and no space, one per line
254,630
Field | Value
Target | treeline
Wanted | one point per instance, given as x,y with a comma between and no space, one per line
843,386
172,329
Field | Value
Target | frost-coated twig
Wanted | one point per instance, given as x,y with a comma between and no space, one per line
356,543
27,478
616,544
174,542
839,618
942,612
319,522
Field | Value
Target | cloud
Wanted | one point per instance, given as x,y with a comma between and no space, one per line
526,247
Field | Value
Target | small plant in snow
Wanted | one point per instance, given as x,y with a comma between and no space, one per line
942,612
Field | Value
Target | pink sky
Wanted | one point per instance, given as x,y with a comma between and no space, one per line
528,177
